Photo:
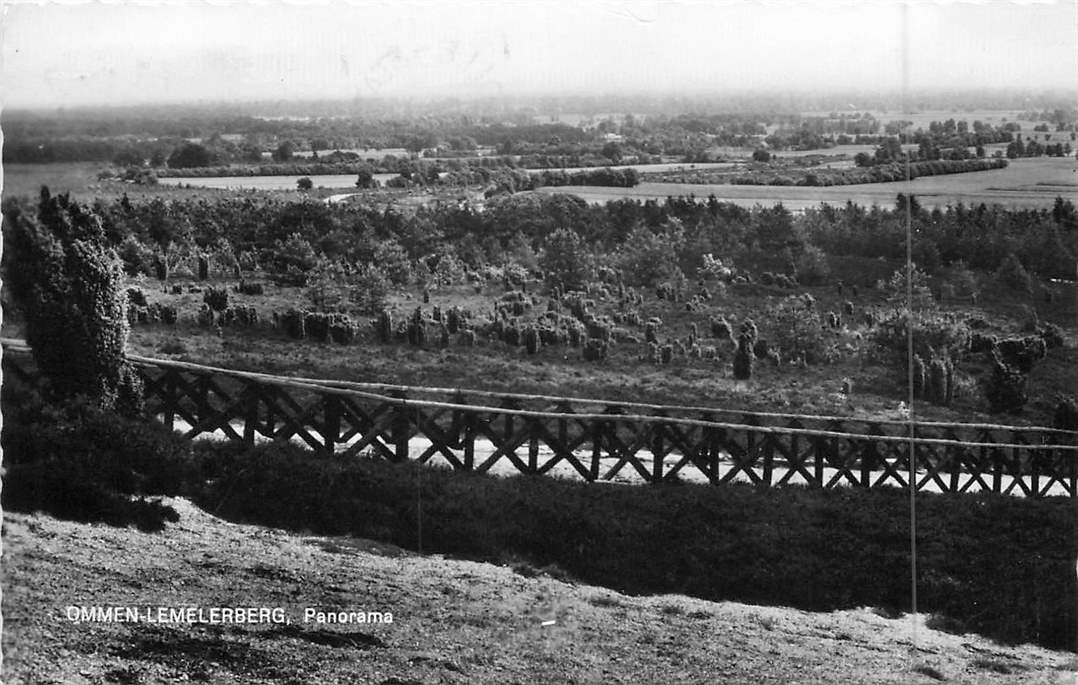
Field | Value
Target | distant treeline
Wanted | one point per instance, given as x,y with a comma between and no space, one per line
881,173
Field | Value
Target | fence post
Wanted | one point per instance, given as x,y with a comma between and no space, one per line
658,453
533,444
401,432
170,398
250,413
469,421
821,450
331,408
596,449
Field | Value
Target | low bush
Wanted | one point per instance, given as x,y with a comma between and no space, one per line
216,299
933,333
1066,413
798,329
1005,389
1012,274
1022,353
79,462
992,564
245,288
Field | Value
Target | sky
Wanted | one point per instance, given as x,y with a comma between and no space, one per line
126,53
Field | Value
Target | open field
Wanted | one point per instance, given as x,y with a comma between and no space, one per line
77,177
1024,184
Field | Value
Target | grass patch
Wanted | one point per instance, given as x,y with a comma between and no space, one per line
990,564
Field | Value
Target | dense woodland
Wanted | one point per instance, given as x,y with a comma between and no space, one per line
515,229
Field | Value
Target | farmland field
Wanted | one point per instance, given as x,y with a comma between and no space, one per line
27,179
1025,183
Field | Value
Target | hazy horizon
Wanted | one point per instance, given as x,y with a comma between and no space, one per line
77,55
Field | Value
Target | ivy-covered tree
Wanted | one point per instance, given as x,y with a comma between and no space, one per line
69,286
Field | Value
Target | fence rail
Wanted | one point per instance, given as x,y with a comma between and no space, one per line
597,440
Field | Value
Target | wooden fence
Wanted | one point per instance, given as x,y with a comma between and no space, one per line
597,440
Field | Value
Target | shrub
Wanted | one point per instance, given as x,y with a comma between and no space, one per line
1003,576
721,329
648,258
204,316
895,290
576,334
78,461
531,340
342,329
962,280
920,376
1012,274
136,297
1066,413
453,320
932,333
216,299
798,330
384,327
136,257
417,329
512,334
241,315
650,332
812,267
980,342
748,328
1022,353
245,288
595,350
939,381
1006,388
167,313
391,259
1052,336
294,324
666,354
743,358
68,285
316,324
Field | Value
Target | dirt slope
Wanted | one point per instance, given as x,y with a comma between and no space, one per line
453,621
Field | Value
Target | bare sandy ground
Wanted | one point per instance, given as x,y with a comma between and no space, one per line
453,621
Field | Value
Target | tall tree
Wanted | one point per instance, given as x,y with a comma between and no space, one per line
69,286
